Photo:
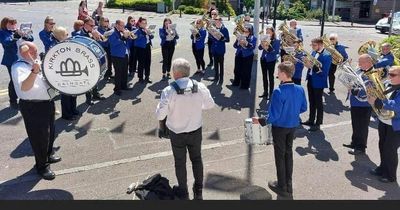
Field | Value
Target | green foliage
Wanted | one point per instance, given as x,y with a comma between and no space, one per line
193,10
297,11
131,3
225,8
281,11
335,18
394,40
182,7
314,14
249,3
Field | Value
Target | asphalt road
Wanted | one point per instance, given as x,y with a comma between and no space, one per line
113,144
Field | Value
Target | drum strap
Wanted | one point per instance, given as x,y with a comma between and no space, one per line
22,61
182,91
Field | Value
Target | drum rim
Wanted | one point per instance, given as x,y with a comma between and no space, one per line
69,40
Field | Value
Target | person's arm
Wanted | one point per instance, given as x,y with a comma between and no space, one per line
275,108
162,33
390,104
162,107
208,101
28,83
385,61
7,40
304,102
326,65
236,44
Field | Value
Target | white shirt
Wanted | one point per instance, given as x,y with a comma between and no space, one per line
39,91
184,112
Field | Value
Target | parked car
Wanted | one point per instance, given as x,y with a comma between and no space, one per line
383,25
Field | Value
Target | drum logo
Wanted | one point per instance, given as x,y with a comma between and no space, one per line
71,68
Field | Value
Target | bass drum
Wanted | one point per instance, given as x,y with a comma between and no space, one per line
75,66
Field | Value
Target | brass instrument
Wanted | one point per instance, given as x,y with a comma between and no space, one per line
239,29
265,41
337,58
351,79
369,47
376,88
308,56
286,35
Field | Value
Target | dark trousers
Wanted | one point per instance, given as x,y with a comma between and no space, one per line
68,106
332,77
191,142
210,55
283,142
268,69
109,62
199,56
167,51
219,67
121,72
133,60
360,117
242,71
296,81
316,106
11,91
93,92
39,123
389,143
144,58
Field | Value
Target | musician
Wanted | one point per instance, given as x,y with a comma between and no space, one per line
247,19
244,57
46,34
212,8
37,108
386,59
268,59
219,49
88,25
317,81
78,25
184,120
119,56
198,46
98,13
143,49
287,103
342,50
131,26
295,31
168,38
389,132
360,110
104,26
83,11
213,14
298,66
9,36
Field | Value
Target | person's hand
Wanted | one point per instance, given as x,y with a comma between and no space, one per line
371,100
307,63
36,68
255,120
243,42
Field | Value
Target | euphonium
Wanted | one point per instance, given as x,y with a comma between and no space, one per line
286,35
369,47
309,57
376,88
351,79
239,29
337,58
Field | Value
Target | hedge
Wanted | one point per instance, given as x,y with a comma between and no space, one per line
142,5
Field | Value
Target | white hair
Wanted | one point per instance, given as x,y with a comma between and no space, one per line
182,66
59,32
333,35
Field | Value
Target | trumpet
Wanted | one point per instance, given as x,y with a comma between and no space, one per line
129,34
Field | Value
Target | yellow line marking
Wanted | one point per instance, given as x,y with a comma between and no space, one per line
3,94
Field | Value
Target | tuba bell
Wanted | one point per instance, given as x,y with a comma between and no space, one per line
369,47
286,35
239,29
351,79
337,58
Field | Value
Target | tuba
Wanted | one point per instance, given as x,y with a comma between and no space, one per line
239,20
369,47
286,35
309,57
351,79
337,58
375,87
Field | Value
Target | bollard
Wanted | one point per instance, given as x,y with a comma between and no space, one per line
123,9
229,16
180,13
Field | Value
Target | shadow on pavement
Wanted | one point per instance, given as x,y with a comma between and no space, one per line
362,179
238,100
7,113
333,105
22,150
20,189
317,145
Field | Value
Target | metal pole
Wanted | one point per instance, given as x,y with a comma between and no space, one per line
263,20
391,19
275,8
334,8
323,18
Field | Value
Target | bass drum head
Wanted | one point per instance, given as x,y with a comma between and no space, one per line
75,66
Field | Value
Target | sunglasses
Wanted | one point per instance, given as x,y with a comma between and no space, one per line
107,21
392,75
51,23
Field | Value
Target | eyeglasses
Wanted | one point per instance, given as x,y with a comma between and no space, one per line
213,14
107,21
93,25
332,39
392,75
51,23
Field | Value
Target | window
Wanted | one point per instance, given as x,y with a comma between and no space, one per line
365,8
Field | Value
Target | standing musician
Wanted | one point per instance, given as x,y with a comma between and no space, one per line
9,37
87,31
389,133
317,81
287,103
46,34
213,14
342,50
68,103
268,59
295,31
198,46
247,19
219,49
168,38
104,26
298,66
37,108
360,110
131,26
386,59
98,13
143,49
119,56
244,46
83,11
78,25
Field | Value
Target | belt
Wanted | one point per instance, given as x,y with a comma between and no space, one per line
34,100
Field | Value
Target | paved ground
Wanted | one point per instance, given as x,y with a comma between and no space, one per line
113,144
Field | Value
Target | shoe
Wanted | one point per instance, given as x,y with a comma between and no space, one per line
168,75
182,194
197,193
210,64
308,122
386,180
141,80
148,81
53,159
314,128
356,152
197,72
98,97
235,85
71,118
118,92
348,146
47,174
375,172
273,185
89,103
263,96
215,79
77,113
57,112
14,105
203,71
164,77
220,82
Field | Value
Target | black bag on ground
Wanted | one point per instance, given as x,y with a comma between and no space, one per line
155,187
